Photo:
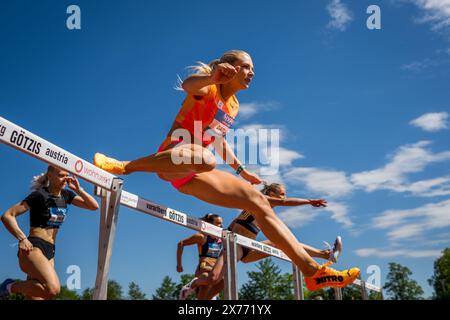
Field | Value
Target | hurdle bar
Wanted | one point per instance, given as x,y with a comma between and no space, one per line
27,142
230,240
109,188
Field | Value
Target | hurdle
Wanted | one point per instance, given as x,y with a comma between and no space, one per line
230,241
110,189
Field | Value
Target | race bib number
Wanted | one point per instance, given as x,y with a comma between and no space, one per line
57,216
220,125
214,250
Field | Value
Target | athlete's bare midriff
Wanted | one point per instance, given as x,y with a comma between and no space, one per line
48,235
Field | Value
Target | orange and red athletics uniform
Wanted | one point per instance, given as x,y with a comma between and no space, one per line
215,115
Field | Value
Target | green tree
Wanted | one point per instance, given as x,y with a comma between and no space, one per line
440,280
170,290
114,292
166,291
373,295
351,292
67,294
321,294
87,294
184,279
268,283
399,286
134,292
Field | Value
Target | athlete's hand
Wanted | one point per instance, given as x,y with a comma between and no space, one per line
179,268
72,183
223,73
318,203
26,246
250,177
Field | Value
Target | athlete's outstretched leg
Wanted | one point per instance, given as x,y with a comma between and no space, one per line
188,158
224,189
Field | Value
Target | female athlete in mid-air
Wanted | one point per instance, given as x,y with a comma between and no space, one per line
206,115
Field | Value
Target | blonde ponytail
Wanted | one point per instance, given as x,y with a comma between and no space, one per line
39,181
273,187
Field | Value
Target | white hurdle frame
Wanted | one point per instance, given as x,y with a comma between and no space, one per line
110,189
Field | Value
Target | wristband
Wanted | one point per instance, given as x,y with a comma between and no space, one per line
22,239
240,169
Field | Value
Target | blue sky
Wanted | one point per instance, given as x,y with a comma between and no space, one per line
363,116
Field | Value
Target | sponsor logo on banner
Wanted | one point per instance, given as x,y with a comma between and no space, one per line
257,245
129,199
175,216
79,166
94,174
21,140
202,225
193,222
2,130
156,208
58,156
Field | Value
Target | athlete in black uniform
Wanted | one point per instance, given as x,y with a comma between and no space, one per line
209,249
48,206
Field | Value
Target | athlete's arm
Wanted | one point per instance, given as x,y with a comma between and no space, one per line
197,85
227,154
10,222
197,238
292,202
230,158
83,199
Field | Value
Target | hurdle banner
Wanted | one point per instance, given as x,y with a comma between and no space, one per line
230,240
109,188
43,150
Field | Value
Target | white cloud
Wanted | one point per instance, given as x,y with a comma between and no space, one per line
247,110
298,216
302,215
410,223
340,15
412,158
428,188
436,12
322,182
396,253
421,65
288,156
339,213
431,121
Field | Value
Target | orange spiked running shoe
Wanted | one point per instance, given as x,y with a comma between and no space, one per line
109,164
328,277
